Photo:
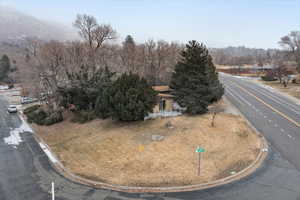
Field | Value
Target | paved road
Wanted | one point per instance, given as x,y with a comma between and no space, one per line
25,173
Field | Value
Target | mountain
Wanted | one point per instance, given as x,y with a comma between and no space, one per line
15,26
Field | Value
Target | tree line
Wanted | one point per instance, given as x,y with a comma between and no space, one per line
97,78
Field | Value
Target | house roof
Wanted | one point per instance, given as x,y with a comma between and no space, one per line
161,88
165,95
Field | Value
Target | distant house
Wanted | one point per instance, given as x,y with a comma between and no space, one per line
165,106
165,99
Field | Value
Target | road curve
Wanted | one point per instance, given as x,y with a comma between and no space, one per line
25,172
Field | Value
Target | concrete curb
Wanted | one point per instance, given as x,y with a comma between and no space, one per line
59,167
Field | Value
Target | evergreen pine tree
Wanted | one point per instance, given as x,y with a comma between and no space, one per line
195,81
132,98
103,101
129,40
4,67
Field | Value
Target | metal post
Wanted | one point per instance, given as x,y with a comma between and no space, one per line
52,191
199,164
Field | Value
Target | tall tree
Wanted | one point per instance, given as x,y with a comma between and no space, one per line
291,42
4,67
132,98
195,80
93,33
128,54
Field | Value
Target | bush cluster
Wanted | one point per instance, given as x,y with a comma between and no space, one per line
36,114
83,116
128,98
268,78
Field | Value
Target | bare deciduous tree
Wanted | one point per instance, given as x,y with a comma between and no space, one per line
291,42
93,33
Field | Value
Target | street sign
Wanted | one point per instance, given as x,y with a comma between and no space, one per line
200,150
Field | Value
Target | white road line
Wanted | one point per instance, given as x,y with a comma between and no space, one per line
261,90
242,98
283,101
235,97
276,125
281,130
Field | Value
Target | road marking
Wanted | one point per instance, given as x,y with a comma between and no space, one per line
281,130
261,89
276,125
240,97
268,105
233,95
270,120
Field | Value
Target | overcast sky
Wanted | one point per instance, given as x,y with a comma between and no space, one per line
217,23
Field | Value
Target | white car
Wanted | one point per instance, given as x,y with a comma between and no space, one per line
4,87
12,109
27,100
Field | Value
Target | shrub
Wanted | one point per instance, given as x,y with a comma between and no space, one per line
38,116
53,118
268,78
103,103
83,116
132,98
31,109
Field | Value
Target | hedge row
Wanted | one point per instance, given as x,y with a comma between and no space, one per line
36,114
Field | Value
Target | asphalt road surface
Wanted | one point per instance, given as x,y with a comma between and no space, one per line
25,173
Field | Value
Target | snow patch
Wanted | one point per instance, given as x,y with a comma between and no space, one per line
14,139
25,127
162,114
48,153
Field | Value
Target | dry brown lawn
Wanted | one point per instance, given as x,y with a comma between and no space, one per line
125,154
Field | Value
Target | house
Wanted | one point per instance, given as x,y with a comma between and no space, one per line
165,106
165,99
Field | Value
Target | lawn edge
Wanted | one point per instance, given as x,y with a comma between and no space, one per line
60,168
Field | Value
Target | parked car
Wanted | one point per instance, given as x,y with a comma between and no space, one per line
4,87
12,109
26,100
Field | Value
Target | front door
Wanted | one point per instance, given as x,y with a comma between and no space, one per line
162,105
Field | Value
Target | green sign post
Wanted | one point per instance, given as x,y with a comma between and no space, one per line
199,150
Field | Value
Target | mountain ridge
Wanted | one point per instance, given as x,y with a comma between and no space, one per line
16,25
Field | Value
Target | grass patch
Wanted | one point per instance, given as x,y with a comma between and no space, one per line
129,154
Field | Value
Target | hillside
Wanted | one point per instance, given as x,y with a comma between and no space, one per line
16,26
